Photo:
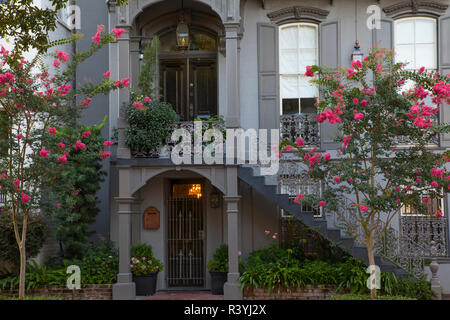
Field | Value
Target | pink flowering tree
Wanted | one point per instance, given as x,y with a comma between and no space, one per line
34,107
371,168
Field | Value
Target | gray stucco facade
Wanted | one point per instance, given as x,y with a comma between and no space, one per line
248,97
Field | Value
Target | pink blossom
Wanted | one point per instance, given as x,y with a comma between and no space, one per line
97,38
419,171
421,70
439,214
61,145
117,83
297,199
355,101
418,180
327,157
44,153
267,232
322,203
379,68
108,143
363,103
25,198
356,64
347,140
308,72
138,105
79,145
16,183
62,159
239,253
125,82
63,56
363,208
107,74
147,99
19,136
118,33
86,134
398,188
52,131
300,142
358,116
86,102
350,180
58,205
56,63
105,154
434,184
274,236
337,179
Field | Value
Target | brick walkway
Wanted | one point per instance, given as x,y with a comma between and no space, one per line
181,295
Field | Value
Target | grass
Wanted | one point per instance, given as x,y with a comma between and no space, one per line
367,297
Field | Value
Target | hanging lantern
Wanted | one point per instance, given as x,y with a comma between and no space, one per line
357,54
182,34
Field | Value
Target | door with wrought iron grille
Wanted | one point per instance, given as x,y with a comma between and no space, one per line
186,266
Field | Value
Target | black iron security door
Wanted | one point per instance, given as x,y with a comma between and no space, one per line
186,237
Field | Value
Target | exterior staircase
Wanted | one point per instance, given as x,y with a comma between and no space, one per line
268,187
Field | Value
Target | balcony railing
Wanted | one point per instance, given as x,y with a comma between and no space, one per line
300,125
164,149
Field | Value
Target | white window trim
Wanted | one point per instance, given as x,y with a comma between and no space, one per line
299,72
435,40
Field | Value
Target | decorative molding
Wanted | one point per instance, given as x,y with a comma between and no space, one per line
298,13
415,7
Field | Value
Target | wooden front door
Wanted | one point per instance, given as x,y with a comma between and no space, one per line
190,86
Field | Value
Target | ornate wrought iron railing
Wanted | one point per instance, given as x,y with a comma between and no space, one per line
164,149
300,125
398,247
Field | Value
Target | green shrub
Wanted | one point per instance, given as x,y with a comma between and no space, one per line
143,261
37,231
72,201
100,265
367,297
274,268
149,127
219,262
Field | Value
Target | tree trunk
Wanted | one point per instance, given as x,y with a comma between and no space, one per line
373,289
23,265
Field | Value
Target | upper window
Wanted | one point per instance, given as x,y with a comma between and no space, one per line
415,42
298,49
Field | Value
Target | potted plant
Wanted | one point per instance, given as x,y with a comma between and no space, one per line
218,269
145,268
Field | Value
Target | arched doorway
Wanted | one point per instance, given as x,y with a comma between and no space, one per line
187,75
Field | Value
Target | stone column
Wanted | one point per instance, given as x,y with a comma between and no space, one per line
125,288
123,71
232,74
232,288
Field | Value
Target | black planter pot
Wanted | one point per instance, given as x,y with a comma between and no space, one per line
218,280
146,285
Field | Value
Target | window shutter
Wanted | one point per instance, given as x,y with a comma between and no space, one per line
330,36
268,76
444,68
384,37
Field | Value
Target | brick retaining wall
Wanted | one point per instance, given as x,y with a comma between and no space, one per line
308,292
90,292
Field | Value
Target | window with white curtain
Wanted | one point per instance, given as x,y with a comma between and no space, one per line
415,42
298,49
